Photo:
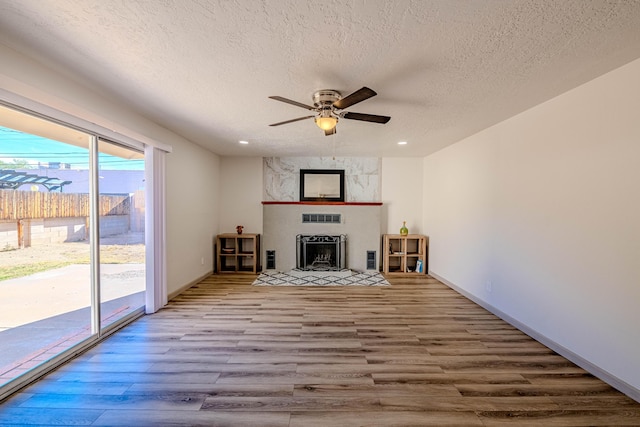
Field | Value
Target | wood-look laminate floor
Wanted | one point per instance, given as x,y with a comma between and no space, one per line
412,354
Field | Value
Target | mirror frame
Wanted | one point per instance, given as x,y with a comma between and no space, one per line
327,175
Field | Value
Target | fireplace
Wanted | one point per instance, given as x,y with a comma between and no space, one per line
284,221
321,252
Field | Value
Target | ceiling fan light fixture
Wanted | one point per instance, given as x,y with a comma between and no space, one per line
326,123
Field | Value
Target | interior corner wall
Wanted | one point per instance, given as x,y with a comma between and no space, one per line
191,171
402,194
241,190
537,217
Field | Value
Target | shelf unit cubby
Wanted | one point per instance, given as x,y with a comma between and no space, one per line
238,253
402,253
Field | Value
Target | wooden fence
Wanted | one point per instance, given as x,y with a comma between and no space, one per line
16,205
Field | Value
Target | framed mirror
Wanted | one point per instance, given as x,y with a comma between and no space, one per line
321,185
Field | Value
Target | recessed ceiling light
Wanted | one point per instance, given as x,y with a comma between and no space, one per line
243,142
402,143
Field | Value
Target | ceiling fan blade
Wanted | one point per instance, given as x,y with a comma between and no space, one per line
330,132
366,117
291,121
289,101
357,96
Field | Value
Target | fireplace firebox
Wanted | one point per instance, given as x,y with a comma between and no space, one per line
321,252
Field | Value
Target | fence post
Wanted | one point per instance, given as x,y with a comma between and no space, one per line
20,235
26,233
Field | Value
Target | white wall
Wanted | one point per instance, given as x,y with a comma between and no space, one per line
241,189
192,217
402,181
193,214
538,217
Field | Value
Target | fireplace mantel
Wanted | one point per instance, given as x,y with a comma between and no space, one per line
324,203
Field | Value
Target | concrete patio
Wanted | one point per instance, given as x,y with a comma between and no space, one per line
46,312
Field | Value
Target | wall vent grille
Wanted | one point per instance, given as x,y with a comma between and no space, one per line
371,260
321,218
271,260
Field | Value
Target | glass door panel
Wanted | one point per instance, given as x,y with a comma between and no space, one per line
45,283
122,226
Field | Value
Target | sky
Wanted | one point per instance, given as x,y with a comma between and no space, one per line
33,149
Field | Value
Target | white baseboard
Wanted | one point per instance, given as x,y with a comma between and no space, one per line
595,370
183,288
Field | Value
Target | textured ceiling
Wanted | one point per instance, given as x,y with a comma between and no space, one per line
443,69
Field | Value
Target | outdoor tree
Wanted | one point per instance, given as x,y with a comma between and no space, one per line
15,164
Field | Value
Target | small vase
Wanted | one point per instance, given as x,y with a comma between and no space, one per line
404,230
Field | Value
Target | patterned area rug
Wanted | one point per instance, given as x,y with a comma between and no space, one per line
314,278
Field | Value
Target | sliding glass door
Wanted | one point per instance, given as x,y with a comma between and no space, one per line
72,253
122,225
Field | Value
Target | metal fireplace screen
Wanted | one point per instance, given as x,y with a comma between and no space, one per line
321,252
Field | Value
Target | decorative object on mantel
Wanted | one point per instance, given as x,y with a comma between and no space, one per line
302,278
239,229
404,230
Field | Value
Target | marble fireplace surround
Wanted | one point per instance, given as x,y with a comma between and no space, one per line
360,222
362,176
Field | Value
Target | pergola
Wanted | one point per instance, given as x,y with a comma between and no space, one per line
11,180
